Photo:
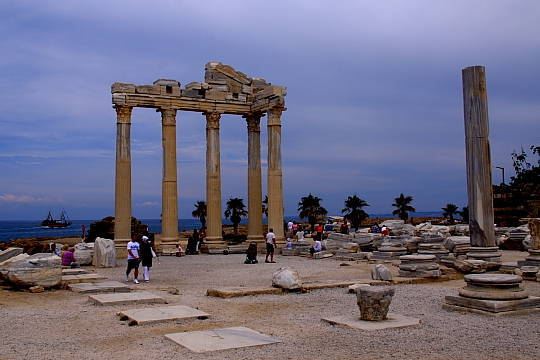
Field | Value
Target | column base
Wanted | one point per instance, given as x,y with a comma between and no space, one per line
490,255
120,246
215,244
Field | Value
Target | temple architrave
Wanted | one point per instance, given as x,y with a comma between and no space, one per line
224,91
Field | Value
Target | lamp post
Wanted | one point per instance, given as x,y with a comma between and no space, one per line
500,167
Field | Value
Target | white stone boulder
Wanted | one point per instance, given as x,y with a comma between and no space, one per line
286,278
9,253
37,270
381,272
104,253
83,253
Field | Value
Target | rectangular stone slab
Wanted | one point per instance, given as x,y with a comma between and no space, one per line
229,292
393,321
100,287
76,271
136,297
75,279
161,314
221,339
9,253
494,306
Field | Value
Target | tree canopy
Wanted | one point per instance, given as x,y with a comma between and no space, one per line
310,207
200,212
235,211
353,210
403,207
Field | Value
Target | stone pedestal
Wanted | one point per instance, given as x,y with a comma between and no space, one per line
492,294
419,266
389,251
374,302
490,255
436,249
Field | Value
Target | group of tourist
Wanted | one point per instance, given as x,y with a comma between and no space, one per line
140,250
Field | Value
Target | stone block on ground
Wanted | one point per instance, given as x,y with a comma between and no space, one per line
75,271
220,339
136,297
286,278
161,314
392,321
104,253
82,278
381,272
10,253
354,288
229,292
42,269
374,302
83,253
99,287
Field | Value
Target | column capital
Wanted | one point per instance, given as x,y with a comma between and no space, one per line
212,120
123,114
168,116
253,122
274,115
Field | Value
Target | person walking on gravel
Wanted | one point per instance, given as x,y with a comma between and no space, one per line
133,260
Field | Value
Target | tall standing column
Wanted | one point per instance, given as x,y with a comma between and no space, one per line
275,182
214,239
169,201
479,185
122,191
255,232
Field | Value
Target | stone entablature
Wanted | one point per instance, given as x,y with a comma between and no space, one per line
224,90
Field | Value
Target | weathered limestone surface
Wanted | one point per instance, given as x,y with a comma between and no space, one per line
492,293
99,287
286,278
381,272
254,180
169,187
9,253
220,339
374,302
37,270
419,266
104,253
137,297
161,314
84,253
478,156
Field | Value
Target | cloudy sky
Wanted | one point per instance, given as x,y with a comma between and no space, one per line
374,96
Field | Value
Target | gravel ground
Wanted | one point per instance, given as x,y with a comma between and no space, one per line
60,324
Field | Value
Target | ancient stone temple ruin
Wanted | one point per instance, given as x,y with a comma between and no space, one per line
224,91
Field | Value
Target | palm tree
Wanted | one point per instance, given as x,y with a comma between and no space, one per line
265,206
353,211
402,205
464,213
449,211
235,211
200,212
310,207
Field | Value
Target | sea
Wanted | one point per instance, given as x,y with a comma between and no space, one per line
22,229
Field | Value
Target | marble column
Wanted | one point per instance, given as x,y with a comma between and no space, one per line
214,239
275,183
122,203
255,232
479,185
169,200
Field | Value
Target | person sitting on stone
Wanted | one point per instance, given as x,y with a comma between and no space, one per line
68,258
317,247
251,254
300,234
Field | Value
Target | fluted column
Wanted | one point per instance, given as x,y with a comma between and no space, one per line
479,185
122,191
214,239
255,232
169,201
275,184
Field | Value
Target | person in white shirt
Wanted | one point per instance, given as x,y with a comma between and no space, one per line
317,247
133,260
300,235
270,244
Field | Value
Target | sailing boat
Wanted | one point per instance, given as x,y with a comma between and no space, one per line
51,223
